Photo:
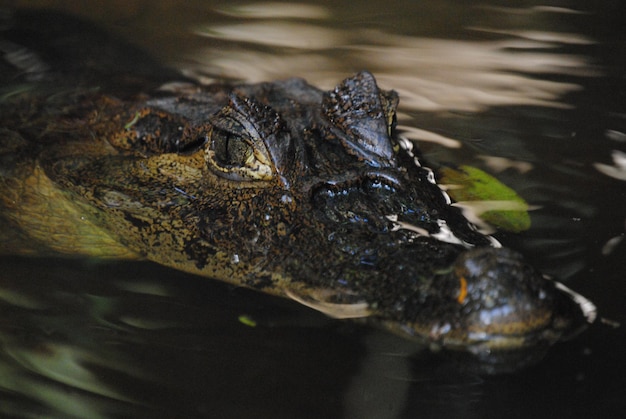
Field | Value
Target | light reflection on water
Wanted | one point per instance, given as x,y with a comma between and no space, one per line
430,74
506,89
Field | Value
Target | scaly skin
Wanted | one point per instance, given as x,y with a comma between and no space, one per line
276,186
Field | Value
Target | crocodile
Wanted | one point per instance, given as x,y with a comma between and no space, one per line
278,186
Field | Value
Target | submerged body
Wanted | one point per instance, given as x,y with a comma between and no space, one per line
277,186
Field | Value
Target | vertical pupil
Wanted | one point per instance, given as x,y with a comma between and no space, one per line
230,149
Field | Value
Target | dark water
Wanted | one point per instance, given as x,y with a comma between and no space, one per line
534,93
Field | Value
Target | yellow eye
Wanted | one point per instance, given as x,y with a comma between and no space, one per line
236,157
235,149
231,151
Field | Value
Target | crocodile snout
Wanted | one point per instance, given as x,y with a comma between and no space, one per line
503,303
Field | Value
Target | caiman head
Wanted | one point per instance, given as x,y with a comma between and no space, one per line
311,195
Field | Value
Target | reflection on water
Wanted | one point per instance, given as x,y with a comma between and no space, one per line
265,42
97,340
430,74
618,169
530,93
263,10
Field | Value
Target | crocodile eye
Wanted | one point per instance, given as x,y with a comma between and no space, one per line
236,157
235,149
230,150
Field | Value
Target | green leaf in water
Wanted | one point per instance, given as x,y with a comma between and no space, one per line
493,201
247,320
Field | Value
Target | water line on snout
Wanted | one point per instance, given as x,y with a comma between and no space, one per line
315,299
391,178
445,234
